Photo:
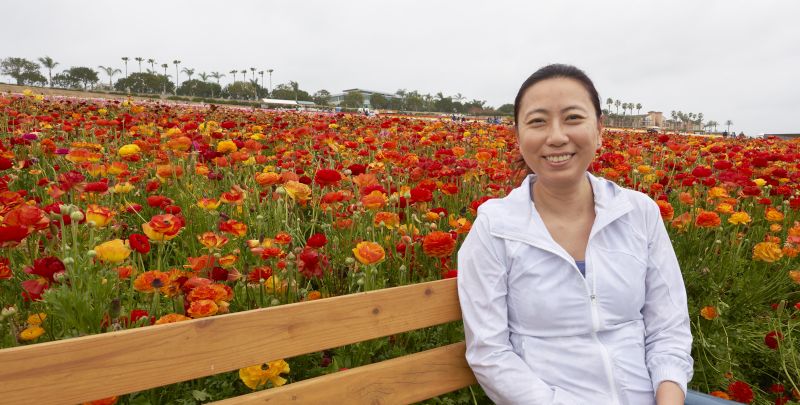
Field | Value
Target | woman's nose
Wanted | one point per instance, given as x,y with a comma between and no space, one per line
557,135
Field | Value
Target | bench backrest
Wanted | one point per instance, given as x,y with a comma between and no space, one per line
99,366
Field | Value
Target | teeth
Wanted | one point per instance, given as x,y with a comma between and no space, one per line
559,158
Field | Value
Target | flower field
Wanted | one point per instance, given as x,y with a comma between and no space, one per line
120,214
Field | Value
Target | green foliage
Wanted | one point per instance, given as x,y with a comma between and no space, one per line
76,78
240,91
290,91
321,97
354,99
199,88
506,109
23,71
145,83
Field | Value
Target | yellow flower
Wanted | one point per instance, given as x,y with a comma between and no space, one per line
724,208
767,252
298,191
255,376
739,218
760,182
113,251
226,147
208,204
123,188
129,150
773,215
31,333
274,285
717,192
37,319
101,216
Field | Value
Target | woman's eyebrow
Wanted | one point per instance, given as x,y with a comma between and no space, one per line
563,110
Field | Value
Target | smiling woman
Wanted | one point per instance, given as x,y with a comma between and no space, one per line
569,287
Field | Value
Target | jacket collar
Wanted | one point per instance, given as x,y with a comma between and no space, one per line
519,221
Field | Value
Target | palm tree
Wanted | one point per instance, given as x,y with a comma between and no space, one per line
270,81
151,62
50,64
139,59
610,102
728,123
638,108
253,71
261,73
189,72
617,104
217,76
110,72
244,74
234,72
204,76
125,59
165,66
177,74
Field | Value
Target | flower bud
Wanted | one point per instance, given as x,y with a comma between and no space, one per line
76,216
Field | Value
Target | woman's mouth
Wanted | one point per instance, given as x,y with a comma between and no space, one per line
559,158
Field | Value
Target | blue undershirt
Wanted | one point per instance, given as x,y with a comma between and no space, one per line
581,266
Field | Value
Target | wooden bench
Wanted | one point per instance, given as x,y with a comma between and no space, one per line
93,367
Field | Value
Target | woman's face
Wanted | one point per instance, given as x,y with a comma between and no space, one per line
558,130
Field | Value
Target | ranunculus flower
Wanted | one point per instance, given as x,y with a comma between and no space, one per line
374,200
30,217
101,216
202,308
667,212
311,263
268,178
139,243
113,251
438,244
31,333
767,252
369,253
707,219
709,313
298,191
12,235
128,150
163,227
172,318
739,218
226,146
772,339
389,220
740,391
327,177
151,281
317,240
211,240
46,267
233,227
255,376
5,269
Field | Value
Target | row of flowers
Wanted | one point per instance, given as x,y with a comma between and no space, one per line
135,214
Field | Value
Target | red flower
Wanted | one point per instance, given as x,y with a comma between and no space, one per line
96,187
310,262
139,243
438,244
327,177
259,273
420,194
137,314
33,289
47,268
772,339
12,235
701,172
158,201
317,240
5,270
740,391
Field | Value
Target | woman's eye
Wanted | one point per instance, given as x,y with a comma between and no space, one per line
573,117
536,121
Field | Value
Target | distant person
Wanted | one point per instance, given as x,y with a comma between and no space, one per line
570,289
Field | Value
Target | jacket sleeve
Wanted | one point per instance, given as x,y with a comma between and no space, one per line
668,337
482,289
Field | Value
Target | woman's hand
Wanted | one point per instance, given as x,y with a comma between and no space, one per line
669,393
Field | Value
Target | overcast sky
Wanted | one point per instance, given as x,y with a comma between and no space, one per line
728,59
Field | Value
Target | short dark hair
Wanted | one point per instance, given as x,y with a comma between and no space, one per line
557,70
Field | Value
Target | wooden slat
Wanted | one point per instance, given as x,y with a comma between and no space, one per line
404,380
98,366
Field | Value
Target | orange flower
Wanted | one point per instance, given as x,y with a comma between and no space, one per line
235,196
387,219
720,394
104,401
27,216
369,253
709,313
739,218
460,225
790,251
200,263
172,318
124,272
202,308
365,179
267,179
724,208
717,192
164,171
686,198
438,244
150,281
163,227
767,252
233,227
374,200
283,238
666,209
680,223
795,276
211,240
773,215
708,219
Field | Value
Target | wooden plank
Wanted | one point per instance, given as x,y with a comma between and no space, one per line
404,380
99,366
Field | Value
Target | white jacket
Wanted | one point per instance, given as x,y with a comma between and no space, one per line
538,332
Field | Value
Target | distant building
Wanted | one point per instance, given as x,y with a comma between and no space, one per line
336,99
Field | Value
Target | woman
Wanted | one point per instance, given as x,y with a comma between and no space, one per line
570,289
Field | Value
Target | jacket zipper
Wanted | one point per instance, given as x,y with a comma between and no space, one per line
594,311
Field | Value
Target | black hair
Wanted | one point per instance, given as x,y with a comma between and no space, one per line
558,70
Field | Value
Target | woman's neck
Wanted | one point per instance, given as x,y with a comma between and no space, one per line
575,199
